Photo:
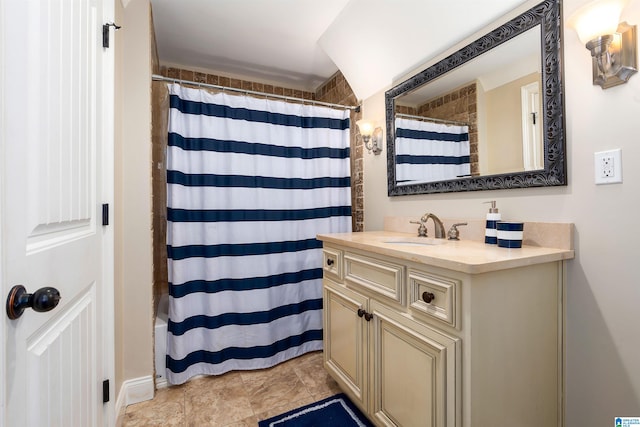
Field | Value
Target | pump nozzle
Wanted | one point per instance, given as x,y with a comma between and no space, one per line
493,208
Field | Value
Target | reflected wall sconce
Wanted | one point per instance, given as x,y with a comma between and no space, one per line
613,45
371,136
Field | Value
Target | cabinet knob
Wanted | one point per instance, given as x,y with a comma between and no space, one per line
363,313
428,297
330,262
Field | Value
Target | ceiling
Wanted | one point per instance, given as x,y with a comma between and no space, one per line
301,43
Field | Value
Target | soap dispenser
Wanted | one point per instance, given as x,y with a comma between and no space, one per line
491,232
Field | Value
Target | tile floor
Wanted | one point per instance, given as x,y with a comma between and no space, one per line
236,399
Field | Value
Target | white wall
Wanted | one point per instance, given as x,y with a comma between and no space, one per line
603,290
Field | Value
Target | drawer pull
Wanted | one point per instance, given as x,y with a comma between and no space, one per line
330,262
367,316
428,297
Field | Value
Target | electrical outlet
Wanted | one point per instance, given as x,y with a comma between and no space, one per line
608,166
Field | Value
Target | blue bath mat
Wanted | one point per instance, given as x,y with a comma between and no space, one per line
331,412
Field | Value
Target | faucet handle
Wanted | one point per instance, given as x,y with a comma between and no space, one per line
422,230
454,233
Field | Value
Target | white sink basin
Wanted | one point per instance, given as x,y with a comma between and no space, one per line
416,241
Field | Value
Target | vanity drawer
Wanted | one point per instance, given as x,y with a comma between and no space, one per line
332,262
380,276
435,296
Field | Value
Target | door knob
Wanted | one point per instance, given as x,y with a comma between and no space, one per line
44,299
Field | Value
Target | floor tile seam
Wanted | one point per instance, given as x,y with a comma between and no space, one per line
253,410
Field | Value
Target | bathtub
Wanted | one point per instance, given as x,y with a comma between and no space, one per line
161,341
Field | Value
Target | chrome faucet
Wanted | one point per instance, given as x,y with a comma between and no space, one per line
422,230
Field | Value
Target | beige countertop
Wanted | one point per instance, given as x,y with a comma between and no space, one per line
466,256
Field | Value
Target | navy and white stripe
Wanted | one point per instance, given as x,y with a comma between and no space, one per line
428,151
491,231
250,182
509,234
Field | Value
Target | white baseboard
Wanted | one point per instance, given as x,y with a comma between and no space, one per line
161,382
133,391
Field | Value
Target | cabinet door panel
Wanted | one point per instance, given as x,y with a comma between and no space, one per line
345,340
443,292
415,370
332,263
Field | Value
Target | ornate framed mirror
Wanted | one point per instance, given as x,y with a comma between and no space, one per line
489,116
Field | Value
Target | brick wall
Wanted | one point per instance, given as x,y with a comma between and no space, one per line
213,79
337,91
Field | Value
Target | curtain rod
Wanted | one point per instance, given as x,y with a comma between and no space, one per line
157,77
433,120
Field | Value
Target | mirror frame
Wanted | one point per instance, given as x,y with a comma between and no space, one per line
546,14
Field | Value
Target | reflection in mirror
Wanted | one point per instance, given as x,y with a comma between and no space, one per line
480,118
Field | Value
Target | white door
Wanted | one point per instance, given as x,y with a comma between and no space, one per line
56,172
532,149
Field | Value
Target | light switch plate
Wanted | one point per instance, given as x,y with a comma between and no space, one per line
608,166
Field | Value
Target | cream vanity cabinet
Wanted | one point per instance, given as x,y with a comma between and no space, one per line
414,344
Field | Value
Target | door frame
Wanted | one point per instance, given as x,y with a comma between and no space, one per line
108,238
3,289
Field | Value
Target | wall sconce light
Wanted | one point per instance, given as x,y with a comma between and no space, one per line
613,46
371,136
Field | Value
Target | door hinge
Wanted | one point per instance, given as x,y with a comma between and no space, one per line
105,214
105,33
105,391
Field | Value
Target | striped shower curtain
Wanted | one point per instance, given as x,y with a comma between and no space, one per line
250,182
427,152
